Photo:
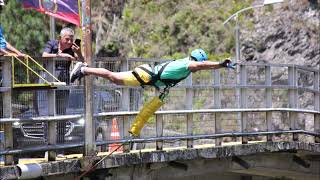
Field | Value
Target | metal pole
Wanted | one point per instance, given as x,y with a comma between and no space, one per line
237,33
7,109
52,28
89,140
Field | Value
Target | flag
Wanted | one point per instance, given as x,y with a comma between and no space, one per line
66,10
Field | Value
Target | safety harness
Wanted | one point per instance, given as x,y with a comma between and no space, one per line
156,77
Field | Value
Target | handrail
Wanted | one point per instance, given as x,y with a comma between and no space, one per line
150,60
132,113
153,139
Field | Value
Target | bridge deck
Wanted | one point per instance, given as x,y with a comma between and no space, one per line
227,157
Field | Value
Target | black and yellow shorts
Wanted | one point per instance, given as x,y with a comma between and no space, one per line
130,80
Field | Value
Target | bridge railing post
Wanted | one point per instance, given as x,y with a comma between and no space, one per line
124,104
159,131
7,109
52,125
189,106
243,101
268,100
317,104
217,103
124,127
293,99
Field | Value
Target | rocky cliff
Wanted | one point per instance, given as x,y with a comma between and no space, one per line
287,33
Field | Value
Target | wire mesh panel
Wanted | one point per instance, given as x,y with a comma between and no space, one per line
137,96
202,78
174,125
279,75
112,65
256,75
256,122
23,104
280,98
150,128
203,99
203,123
280,121
256,98
306,100
228,77
229,99
177,99
306,122
229,123
305,78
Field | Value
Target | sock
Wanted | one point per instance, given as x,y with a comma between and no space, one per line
82,70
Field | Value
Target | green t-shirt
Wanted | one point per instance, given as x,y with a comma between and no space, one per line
175,70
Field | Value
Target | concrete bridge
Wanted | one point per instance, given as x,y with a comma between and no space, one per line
258,122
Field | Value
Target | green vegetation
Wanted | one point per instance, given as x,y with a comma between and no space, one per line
147,28
27,30
171,29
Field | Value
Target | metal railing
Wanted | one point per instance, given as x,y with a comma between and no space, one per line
270,102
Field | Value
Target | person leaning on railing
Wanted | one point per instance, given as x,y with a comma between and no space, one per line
6,49
65,48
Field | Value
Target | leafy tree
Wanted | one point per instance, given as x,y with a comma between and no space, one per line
27,30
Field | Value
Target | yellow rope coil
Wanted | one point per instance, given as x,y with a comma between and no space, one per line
145,113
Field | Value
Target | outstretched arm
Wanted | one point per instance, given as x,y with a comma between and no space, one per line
205,65
14,50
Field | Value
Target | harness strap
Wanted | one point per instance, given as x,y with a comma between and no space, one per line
138,78
146,70
156,77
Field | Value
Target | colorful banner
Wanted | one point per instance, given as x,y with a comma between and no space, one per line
66,10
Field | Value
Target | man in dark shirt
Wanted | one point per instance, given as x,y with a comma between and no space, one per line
66,49
63,48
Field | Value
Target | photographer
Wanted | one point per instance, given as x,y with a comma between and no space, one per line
66,49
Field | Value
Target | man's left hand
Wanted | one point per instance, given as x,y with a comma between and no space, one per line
227,63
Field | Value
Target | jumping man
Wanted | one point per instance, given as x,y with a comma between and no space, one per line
165,74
